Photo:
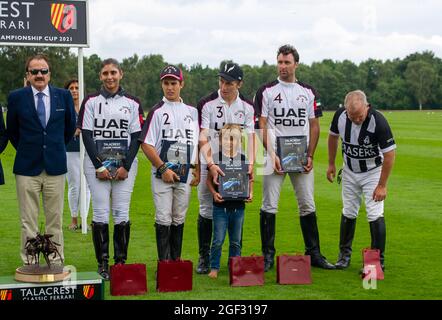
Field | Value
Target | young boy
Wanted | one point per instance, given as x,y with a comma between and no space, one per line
228,214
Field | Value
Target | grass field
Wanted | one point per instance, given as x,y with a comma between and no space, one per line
413,216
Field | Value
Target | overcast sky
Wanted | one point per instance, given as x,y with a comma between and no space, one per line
250,31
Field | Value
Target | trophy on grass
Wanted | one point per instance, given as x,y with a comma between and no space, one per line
33,271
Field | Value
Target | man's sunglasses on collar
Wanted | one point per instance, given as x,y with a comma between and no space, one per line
34,72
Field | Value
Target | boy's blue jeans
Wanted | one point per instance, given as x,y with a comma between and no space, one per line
226,220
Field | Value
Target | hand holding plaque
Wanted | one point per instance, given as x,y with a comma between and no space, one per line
112,153
176,157
234,185
292,152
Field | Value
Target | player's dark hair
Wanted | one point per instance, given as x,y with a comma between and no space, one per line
288,49
111,61
39,56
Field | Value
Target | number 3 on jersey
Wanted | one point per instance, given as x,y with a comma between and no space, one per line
220,112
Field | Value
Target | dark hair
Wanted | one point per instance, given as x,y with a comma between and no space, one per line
111,61
69,82
39,56
288,49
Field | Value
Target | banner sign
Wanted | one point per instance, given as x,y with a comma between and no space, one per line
44,23
88,287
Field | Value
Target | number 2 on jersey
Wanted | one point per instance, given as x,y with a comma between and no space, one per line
166,121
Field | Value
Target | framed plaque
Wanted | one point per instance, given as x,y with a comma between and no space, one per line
177,157
112,153
235,184
292,152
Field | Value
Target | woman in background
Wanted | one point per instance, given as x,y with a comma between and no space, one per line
73,163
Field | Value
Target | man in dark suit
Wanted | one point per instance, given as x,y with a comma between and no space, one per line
40,122
3,143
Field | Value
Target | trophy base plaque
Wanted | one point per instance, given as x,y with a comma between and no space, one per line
35,273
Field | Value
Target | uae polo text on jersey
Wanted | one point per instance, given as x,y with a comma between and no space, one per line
214,113
363,145
111,118
288,108
171,121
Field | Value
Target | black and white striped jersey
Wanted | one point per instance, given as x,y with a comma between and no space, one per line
363,145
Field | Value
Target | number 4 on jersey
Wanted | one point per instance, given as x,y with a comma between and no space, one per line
278,98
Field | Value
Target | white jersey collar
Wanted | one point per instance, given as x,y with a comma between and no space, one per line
290,84
173,102
225,102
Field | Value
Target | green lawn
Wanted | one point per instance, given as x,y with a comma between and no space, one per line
412,210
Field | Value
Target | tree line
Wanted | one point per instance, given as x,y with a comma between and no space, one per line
413,82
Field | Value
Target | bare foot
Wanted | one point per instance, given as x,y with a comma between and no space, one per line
73,226
213,274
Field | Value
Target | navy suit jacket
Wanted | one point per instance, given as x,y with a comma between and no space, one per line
40,148
3,142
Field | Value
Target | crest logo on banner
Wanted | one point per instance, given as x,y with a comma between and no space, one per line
88,291
63,17
5,295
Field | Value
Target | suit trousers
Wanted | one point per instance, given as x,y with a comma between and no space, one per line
28,192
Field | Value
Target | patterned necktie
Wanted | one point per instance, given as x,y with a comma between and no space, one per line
41,110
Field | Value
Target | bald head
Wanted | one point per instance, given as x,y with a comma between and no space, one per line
356,106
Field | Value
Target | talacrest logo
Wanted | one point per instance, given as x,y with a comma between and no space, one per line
64,17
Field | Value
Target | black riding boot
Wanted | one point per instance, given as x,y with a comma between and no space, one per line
100,237
176,241
267,224
163,245
348,227
204,240
310,233
121,241
378,237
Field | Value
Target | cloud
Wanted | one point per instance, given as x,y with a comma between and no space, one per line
250,31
